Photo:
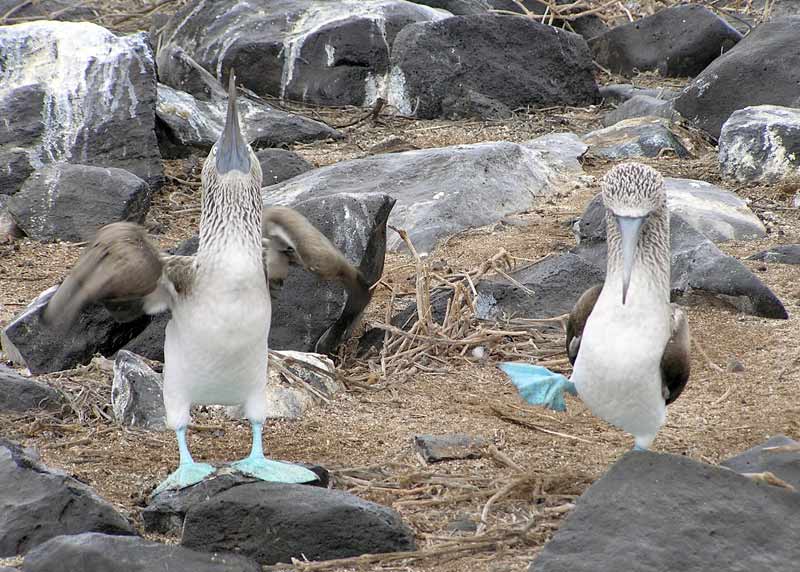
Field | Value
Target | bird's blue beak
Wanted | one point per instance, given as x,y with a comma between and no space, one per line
232,151
629,229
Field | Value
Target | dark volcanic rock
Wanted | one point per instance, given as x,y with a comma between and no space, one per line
331,53
445,190
641,106
71,202
761,144
436,448
277,165
136,393
42,349
15,12
179,71
20,394
37,503
15,167
93,552
764,68
277,522
656,512
588,25
458,7
636,137
514,61
677,41
90,97
783,464
783,254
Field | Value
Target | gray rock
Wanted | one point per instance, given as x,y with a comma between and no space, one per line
42,349
621,92
330,53
437,448
641,106
782,254
298,381
190,122
588,25
15,12
779,9
655,512
636,137
511,60
93,552
761,144
70,202
277,165
177,70
277,522
676,41
39,503
166,511
90,97
469,104
20,394
459,7
764,68
445,190
137,393
783,464
15,168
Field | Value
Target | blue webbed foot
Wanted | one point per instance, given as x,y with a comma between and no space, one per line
538,385
186,475
273,471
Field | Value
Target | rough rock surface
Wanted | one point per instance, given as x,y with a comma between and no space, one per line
38,503
667,512
783,464
276,522
437,448
621,92
635,137
764,68
588,25
93,552
71,202
445,190
75,92
185,121
761,144
166,511
137,393
783,254
507,59
641,106
278,165
331,53
15,12
677,41
21,394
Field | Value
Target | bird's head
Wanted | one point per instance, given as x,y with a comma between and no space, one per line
631,193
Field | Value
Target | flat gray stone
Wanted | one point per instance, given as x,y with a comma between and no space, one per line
784,465
137,397
635,137
437,448
782,254
621,92
20,394
641,106
761,144
654,512
445,190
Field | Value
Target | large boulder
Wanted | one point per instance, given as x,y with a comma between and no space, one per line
764,68
446,190
652,512
330,53
677,41
635,137
94,552
69,202
38,503
137,397
19,394
761,144
511,60
75,92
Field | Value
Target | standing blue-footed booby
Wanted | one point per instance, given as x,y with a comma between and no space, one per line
215,349
629,346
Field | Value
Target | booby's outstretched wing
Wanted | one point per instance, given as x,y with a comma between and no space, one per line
577,320
289,238
676,361
123,269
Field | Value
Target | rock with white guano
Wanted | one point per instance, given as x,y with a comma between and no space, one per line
137,397
445,190
761,144
330,53
87,96
635,137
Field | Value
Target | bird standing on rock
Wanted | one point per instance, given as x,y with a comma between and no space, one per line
629,346
215,349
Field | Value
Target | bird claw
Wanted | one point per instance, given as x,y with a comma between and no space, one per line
273,471
185,475
538,385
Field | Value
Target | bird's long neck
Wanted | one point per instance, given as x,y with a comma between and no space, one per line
231,218
650,277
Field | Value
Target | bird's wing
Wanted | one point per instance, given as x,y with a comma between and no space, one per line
577,320
290,239
676,361
123,269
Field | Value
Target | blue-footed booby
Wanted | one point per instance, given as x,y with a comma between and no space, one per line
628,345
215,349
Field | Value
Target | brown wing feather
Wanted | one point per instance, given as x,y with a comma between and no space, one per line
676,361
577,320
